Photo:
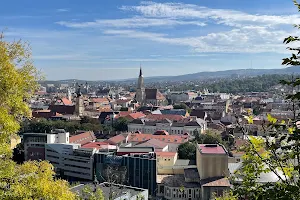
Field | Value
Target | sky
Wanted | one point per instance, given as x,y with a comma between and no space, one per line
110,39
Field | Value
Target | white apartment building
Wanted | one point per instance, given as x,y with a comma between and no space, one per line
173,128
70,161
34,143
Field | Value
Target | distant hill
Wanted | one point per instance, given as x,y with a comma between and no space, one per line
225,74
202,75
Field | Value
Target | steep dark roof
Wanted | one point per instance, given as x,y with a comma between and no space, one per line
192,123
198,113
62,109
103,115
137,121
153,94
174,112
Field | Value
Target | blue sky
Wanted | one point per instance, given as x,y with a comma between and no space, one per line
108,39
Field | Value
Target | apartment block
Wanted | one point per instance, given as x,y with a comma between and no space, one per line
70,161
137,170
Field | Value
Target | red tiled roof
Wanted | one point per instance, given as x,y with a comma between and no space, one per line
116,139
211,149
66,101
157,117
121,101
222,182
161,132
130,115
137,115
123,114
153,143
165,138
99,145
166,154
99,100
83,138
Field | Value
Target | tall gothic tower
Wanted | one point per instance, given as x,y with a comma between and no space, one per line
140,90
79,107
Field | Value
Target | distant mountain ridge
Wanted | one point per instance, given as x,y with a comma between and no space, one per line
205,75
226,74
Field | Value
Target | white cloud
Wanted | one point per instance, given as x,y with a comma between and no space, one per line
136,22
62,10
222,16
250,39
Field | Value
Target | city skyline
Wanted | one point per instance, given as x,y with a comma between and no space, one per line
108,41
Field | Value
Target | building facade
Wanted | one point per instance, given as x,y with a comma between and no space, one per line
148,96
70,161
34,143
134,170
173,128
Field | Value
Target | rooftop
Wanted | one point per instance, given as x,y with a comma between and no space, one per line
166,154
119,191
211,149
177,180
216,182
165,138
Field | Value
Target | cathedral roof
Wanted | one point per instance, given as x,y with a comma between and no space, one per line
154,94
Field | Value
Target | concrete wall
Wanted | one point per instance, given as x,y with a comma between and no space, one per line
212,165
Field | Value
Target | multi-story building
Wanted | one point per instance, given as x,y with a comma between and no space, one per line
177,97
137,170
171,127
34,143
192,181
70,161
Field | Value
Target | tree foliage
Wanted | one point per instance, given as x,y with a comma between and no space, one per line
18,81
121,124
45,126
182,106
187,150
88,193
250,84
278,153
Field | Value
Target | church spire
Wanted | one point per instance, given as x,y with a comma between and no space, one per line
141,73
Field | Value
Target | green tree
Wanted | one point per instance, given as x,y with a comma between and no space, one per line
88,193
121,124
18,82
187,150
45,126
182,106
278,153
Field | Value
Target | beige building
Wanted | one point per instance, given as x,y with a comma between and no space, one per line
182,179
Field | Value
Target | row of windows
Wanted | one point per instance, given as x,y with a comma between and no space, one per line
35,154
36,139
50,150
82,139
185,193
36,145
77,166
153,130
82,161
76,172
52,157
